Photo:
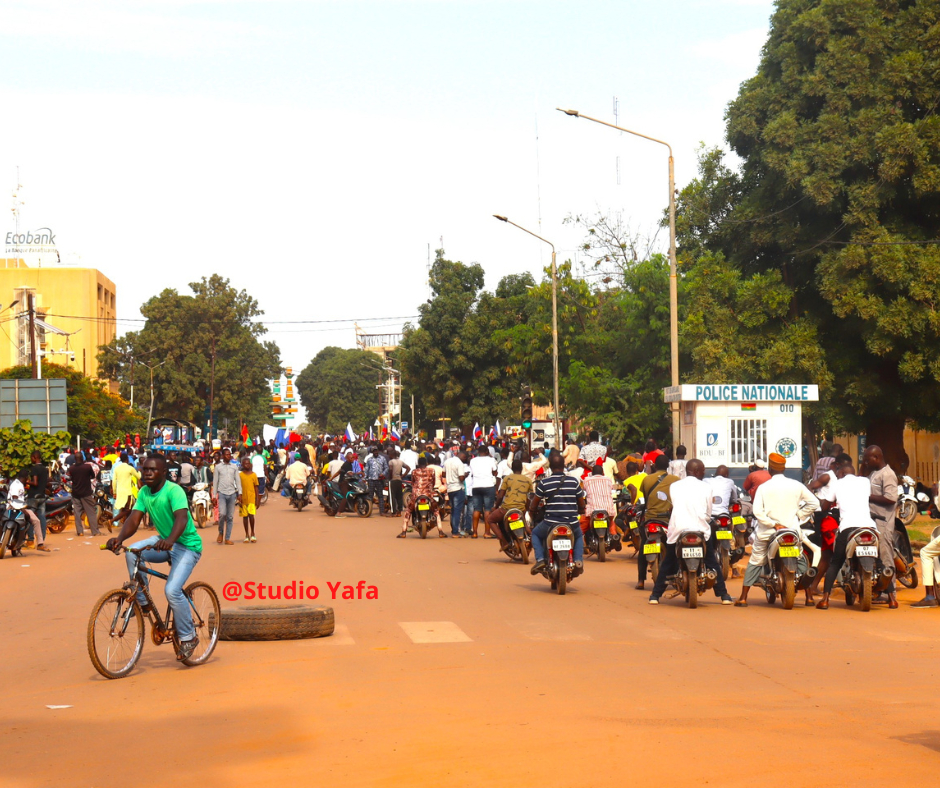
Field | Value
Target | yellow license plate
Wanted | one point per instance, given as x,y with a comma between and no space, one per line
724,535
516,524
634,525
737,521
424,506
652,547
789,552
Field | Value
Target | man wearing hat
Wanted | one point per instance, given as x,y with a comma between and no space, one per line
780,502
757,475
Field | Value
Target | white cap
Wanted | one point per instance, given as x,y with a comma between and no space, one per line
760,464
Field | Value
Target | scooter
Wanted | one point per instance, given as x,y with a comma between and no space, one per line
787,563
693,578
13,530
863,575
201,504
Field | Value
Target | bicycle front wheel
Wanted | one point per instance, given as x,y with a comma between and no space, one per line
207,618
116,634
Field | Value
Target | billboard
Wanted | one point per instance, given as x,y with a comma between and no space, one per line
41,402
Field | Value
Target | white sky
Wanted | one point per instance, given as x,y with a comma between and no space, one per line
311,151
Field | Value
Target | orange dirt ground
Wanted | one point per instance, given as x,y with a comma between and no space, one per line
528,688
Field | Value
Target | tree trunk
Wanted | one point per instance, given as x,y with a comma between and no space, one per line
888,434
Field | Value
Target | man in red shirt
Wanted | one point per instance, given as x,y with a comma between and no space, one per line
757,476
652,452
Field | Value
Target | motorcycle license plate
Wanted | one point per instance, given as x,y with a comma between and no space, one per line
634,525
789,552
561,544
737,520
516,524
652,547
868,552
424,506
724,535
693,552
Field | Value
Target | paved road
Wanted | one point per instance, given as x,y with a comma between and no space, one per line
465,671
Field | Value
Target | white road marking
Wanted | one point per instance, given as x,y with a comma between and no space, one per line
340,636
434,632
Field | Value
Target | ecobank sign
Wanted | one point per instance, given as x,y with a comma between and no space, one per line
31,240
742,392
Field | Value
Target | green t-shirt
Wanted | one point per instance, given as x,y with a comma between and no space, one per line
171,498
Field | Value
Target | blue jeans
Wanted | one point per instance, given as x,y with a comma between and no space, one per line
226,513
541,531
182,560
458,499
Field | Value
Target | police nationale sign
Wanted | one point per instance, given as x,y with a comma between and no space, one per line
741,392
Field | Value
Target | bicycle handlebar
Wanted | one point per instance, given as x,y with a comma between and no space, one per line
138,551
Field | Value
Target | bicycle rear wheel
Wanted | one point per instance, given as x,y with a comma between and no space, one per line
207,618
116,634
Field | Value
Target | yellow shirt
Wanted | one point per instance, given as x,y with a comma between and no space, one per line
636,480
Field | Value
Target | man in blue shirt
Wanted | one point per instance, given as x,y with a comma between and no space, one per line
564,502
376,472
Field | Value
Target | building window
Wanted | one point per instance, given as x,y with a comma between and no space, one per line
748,440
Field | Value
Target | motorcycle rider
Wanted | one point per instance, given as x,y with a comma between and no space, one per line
422,484
852,494
883,505
654,490
564,502
16,500
513,494
691,511
597,491
724,491
779,503
298,472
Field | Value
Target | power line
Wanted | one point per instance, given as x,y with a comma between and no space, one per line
203,321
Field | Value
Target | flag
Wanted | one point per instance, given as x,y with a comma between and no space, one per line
748,406
350,435
369,434
384,432
244,433
395,436
493,433
477,432
498,429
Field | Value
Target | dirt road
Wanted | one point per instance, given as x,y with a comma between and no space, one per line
465,671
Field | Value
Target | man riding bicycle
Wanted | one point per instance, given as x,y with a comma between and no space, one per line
177,543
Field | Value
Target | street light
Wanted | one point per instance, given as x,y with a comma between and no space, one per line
558,439
673,280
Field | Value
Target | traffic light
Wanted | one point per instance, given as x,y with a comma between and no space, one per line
527,409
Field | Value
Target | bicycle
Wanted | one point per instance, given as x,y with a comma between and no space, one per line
116,627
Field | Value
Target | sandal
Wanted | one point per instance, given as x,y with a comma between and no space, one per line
485,536
442,535
401,535
740,603
822,604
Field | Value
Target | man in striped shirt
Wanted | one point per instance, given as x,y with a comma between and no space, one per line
564,502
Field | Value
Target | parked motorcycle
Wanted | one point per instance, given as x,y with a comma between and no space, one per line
863,575
692,578
787,563
13,530
357,497
598,539
910,501
559,551
515,533
201,504
58,509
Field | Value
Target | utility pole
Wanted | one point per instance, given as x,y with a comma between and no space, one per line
150,415
33,350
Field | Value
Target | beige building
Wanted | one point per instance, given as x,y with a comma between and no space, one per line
76,308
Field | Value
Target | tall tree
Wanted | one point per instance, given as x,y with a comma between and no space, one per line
338,387
213,348
837,207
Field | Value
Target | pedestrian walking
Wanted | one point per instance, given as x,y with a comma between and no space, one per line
226,487
248,498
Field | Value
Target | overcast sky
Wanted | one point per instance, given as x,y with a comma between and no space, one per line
313,152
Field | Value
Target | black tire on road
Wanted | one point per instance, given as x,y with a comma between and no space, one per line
725,564
788,597
654,567
865,598
520,546
691,589
4,541
57,522
423,528
562,578
276,622
363,506
601,550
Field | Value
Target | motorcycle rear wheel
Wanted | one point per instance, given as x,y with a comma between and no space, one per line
865,598
524,554
691,589
725,564
601,550
654,568
423,529
562,580
57,522
788,597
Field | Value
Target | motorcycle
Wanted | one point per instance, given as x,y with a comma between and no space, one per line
559,549
13,532
357,497
693,577
201,504
654,544
104,505
515,533
863,575
724,536
910,501
905,567
787,563
627,520
742,528
421,519
58,509
298,498
598,538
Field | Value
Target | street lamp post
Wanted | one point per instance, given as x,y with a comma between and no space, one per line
673,279
555,420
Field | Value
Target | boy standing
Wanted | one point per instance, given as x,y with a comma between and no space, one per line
248,499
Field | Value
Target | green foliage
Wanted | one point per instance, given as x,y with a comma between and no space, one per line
810,263
338,387
18,443
213,351
94,413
